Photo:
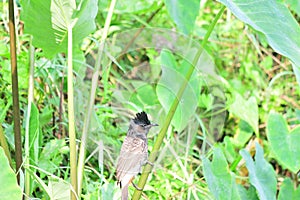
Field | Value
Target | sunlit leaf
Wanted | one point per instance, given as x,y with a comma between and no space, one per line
9,188
59,190
293,5
183,13
54,17
23,72
246,110
287,190
52,155
220,180
284,143
173,76
261,174
243,134
275,21
132,6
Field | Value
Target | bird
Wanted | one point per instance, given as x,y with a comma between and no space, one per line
134,152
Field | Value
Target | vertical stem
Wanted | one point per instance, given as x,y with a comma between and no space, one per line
61,130
148,168
81,157
30,101
71,117
15,89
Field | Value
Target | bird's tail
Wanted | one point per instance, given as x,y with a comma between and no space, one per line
125,192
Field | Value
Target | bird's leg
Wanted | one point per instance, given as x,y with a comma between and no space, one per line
136,187
149,163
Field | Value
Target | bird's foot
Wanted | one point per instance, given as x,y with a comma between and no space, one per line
149,163
136,187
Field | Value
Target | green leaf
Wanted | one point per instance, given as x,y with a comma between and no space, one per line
58,189
243,134
5,106
146,94
275,21
61,18
261,174
293,5
249,194
287,190
54,17
173,76
23,72
46,115
229,150
297,72
132,6
221,182
284,144
9,188
246,110
52,155
183,13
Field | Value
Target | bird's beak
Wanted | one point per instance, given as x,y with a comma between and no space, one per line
151,125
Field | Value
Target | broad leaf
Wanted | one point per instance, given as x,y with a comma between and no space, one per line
183,13
58,189
249,194
23,71
52,155
221,182
132,6
9,188
261,173
48,22
284,143
287,190
243,134
293,5
144,96
275,21
246,110
173,76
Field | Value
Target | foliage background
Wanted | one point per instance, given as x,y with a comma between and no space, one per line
250,110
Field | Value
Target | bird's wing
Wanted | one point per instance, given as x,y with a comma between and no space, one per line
133,153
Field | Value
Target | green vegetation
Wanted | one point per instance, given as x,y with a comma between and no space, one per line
220,78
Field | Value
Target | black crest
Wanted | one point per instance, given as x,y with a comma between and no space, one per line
141,118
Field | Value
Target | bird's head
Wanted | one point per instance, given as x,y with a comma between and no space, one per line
140,125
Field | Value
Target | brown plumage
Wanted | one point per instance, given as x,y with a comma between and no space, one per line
134,152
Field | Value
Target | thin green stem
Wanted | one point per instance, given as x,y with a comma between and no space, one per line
148,168
235,163
71,117
212,26
82,152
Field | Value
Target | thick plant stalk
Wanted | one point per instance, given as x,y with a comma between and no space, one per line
15,89
71,117
87,119
30,101
148,168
